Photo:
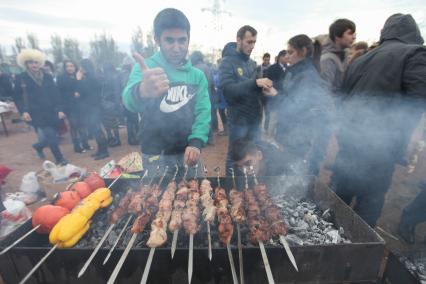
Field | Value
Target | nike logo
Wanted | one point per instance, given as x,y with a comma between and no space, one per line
176,98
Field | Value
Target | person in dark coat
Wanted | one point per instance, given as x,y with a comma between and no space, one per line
89,87
384,98
242,90
72,101
304,125
111,104
276,73
132,118
39,102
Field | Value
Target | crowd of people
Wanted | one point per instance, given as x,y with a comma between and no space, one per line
369,98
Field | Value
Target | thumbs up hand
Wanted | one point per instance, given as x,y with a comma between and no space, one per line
154,81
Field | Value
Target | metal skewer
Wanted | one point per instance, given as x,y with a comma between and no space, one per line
117,240
282,238
209,237
289,253
122,259
122,230
129,245
174,242
176,232
98,246
266,263
152,250
240,249
38,264
261,246
191,246
231,261
191,257
19,240
228,248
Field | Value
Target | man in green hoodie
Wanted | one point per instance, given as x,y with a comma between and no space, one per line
172,96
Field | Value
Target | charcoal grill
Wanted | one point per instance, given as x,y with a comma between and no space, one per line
358,261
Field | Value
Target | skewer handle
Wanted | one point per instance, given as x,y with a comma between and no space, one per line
148,266
231,262
19,240
95,251
174,242
288,251
38,264
266,263
240,254
115,180
210,240
190,258
117,240
122,259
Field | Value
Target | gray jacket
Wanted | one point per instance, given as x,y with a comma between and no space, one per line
332,65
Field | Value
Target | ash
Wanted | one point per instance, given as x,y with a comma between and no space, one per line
416,265
307,224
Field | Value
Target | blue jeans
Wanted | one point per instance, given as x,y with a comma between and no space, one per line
249,132
156,164
47,137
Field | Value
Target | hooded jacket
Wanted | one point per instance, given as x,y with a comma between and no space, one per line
237,73
179,118
396,68
385,91
332,65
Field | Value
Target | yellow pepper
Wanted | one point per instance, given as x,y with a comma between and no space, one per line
71,242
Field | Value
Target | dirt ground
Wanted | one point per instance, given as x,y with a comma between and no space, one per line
16,152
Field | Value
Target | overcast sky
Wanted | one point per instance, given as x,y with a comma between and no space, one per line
275,20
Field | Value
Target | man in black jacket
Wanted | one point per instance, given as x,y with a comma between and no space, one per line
384,97
242,90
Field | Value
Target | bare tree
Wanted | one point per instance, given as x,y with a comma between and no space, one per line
72,49
19,45
103,49
33,41
57,48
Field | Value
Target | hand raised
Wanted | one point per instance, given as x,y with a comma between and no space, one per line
154,81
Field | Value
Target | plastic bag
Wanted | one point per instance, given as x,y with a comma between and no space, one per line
16,211
15,215
63,173
29,183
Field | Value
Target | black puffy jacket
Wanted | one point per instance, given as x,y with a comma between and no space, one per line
237,75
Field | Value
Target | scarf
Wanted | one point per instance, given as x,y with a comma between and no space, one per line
37,77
